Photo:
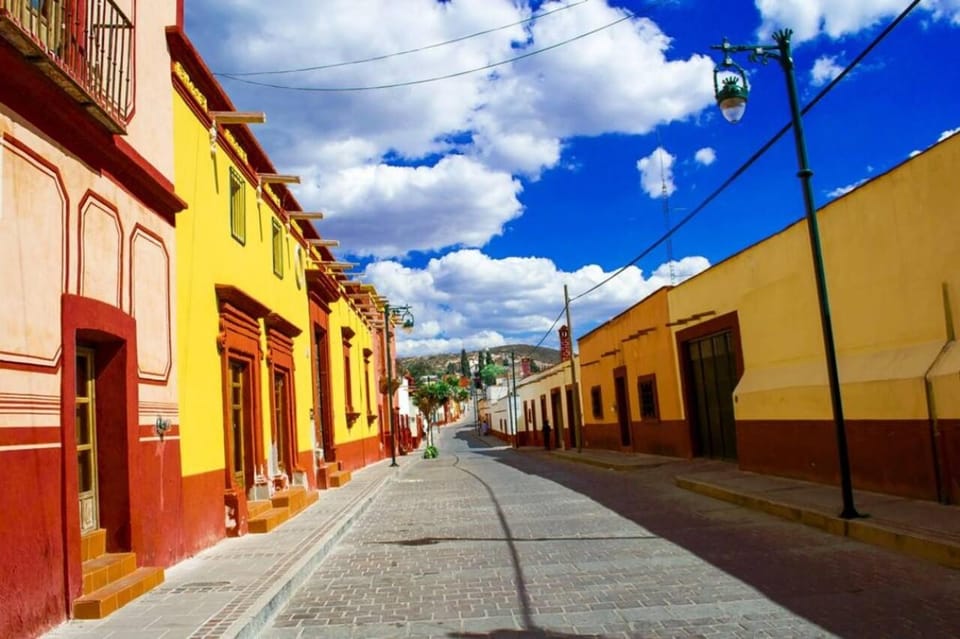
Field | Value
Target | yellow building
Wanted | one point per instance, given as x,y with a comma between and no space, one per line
738,355
265,335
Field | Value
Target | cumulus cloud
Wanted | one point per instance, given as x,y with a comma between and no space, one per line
824,70
656,172
383,210
467,299
705,156
508,121
810,18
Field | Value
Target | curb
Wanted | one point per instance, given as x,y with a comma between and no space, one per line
600,463
269,604
905,541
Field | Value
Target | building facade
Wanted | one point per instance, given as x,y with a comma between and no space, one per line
730,364
89,425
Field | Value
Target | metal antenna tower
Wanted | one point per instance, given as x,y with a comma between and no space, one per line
665,198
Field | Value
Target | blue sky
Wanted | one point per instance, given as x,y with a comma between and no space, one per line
474,199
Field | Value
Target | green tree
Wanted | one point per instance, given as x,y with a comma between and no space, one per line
451,368
490,373
489,360
534,367
464,363
419,369
431,396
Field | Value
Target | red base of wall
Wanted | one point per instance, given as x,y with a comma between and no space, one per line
306,464
162,498
893,457
949,444
670,438
203,514
31,543
357,454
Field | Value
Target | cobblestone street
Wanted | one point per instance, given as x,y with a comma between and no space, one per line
492,542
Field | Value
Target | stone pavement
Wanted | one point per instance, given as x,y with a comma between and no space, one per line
537,547
919,528
486,541
232,589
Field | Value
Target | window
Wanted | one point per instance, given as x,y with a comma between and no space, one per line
277,248
647,391
366,379
238,212
596,402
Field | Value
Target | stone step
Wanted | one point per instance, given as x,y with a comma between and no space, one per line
107,568
267,521
312,497
294,498
100,603
93,544
339,478
258,507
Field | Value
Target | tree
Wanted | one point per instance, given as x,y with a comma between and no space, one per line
464,363
490,373
451,368
534,367
430,396
489,360
419,369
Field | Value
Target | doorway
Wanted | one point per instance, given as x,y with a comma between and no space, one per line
86,427
322,415
712,372
623,406
239,444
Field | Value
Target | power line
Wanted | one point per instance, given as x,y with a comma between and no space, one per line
334,65
448,76
753,158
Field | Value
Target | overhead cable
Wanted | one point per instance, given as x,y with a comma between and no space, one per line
335,65
448,76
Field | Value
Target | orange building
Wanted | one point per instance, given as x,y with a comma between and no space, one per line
89,437
730,364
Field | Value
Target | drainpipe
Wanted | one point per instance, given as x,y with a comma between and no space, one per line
931,396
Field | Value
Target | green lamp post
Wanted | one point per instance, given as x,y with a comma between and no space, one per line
732,91
404,317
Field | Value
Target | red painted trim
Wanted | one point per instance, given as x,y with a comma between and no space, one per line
27,435
88,197
95,322
139,229
180,24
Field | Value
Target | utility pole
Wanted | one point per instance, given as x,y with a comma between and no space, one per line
516,416
577,415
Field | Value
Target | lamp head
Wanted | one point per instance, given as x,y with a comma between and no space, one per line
732,98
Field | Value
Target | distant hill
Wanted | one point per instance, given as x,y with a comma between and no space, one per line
442,363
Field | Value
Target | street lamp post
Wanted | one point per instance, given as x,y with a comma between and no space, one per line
403,314
732,100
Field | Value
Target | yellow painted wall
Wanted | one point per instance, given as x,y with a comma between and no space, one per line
209,255
344,314
889,249
649,354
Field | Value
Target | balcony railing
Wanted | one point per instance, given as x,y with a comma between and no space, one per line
85,46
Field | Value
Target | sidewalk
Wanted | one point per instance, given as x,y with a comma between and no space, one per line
923,529
234,588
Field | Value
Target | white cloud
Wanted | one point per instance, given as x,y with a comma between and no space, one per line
843,190
384,210
810,18
512,120
705,156
467,299
824,70
946,134
656,172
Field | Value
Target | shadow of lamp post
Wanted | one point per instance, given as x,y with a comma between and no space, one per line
731,93
404,317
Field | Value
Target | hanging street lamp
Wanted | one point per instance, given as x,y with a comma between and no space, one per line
404,317
731,92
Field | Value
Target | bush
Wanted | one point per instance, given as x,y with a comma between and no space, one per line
431,452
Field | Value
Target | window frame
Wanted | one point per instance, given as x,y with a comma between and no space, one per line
596,401
276,239
238,206
643,380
